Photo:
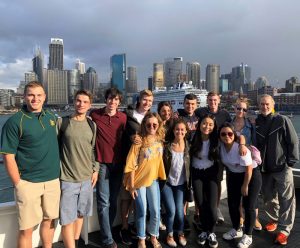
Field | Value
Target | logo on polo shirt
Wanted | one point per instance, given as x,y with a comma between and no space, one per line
52,123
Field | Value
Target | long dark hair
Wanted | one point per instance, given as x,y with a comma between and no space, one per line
197,142
229,125
170,133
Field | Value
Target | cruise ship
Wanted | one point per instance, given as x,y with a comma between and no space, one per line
176,94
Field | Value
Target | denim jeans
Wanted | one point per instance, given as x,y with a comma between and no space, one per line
107,190
151,196
172,197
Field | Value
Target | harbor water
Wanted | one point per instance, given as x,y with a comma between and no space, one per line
6,189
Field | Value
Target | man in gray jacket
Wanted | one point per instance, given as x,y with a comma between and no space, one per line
278,142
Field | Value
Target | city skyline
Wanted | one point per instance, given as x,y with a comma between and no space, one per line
262,34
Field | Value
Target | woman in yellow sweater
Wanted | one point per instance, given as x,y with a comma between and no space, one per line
144,166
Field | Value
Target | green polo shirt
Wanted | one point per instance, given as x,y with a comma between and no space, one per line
32,138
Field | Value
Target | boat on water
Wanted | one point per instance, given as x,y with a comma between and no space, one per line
175,95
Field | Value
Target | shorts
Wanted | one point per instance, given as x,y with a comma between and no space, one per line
36,201
76,201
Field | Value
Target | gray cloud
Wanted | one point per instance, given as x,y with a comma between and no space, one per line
263,34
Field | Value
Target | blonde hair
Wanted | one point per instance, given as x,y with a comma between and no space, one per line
160,132
242,100
145,93
33,84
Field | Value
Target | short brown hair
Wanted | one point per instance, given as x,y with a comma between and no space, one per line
85,93
33,84
212,93
145,93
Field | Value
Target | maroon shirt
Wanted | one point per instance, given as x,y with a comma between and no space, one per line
109,136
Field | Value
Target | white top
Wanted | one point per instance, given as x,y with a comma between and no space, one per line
138,116
204,162
233,160
177,171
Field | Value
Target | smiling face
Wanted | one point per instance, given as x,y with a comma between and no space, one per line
266,105
82,104
112,103
152,125
227,135
180,131
145,103
165,113
240,109
190,106
207,126
213,103
34,99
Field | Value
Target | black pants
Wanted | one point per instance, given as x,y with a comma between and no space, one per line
205,185
234,183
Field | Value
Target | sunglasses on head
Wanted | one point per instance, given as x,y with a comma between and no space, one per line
149,125
229,134
239,109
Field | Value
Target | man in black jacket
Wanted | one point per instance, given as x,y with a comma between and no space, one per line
278,142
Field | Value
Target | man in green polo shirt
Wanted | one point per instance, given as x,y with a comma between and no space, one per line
31,156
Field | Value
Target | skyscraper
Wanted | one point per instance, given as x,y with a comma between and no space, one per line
172,70
74,83
118,71
240,77
212,77
56,54
193,73
57,85
90,81
38,65
131,82
158,75
80,66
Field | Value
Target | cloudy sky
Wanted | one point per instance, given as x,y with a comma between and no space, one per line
261,33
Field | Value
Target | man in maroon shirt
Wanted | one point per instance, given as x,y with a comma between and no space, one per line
110,127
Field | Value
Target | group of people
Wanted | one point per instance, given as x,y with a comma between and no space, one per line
149,161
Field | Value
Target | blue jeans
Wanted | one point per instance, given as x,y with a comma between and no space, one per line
172,197
107,190
150,195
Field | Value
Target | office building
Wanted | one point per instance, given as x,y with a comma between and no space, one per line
193,73
158,75
38,65
57,87
292,85
150,83
212,77
74,83
172,71
80,66
240,77
131,82
56,54
261,82
118,71
90,81
30,76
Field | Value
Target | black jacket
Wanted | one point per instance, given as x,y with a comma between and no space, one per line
278,143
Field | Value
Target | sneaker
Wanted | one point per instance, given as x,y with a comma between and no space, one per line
257,225
233,234
245,242
126,236
170,241
162,226
220,217
202,237
182,240
212,240
271,227
281,238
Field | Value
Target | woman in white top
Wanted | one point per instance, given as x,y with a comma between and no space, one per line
242,181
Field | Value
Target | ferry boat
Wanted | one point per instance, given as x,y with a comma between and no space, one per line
175,95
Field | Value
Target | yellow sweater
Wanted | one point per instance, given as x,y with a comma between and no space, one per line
147,162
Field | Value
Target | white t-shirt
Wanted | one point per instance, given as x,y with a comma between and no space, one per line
204,162
233,160
138,116
177,171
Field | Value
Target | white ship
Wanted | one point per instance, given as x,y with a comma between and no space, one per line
176,95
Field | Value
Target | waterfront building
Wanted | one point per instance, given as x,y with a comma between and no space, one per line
80,66
172,70
240,77
131,82
292,85
158,75
38,65
118,71
193,72
74,83
212,77
30,76
6,97
223,85
57,87
261,82
56,54
90,81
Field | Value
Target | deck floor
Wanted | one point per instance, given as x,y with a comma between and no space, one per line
260,238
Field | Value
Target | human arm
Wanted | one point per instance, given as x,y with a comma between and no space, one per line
132,189
12,168
242,145
292,143
247,178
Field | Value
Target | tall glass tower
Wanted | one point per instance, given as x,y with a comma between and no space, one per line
118,71
56,54
38,65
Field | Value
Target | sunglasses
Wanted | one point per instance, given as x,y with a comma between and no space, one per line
229,134
244,109
154,125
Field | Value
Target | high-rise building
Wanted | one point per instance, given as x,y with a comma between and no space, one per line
57,87
118,71
240,77
150,83
131,82
38,65
80,66
261,82
74,83
30,76
56,54
212,77
90,81
158,75
193,73
292,85
172,70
